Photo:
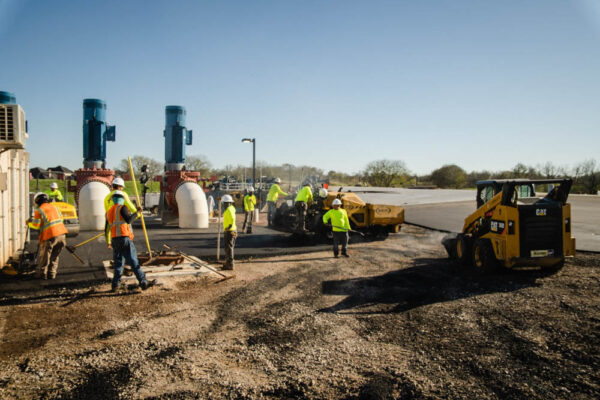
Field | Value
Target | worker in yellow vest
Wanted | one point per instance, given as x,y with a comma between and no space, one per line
119,238
303,199
272,197
48,220
340,224
53,193
249,203
119,184
229,230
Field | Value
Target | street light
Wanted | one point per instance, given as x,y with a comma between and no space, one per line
253,141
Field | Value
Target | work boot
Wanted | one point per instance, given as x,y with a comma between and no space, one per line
147,284
119,288
228,267
345,254
335,255
249,231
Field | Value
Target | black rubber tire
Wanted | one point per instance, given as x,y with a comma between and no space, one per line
484,259
463,250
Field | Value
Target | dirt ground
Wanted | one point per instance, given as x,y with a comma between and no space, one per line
396,320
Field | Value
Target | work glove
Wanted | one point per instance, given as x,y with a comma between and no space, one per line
109,245
27,221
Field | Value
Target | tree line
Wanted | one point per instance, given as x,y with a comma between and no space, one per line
383,173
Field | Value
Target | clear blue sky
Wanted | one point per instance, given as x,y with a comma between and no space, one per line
334,84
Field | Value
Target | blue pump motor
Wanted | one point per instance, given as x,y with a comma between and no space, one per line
95,133
176,137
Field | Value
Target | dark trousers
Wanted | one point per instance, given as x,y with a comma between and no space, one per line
229,239
124,250
271,210
340,238
249,215
301,208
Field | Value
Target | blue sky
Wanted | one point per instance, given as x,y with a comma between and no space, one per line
334,84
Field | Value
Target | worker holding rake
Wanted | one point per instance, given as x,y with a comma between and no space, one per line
340,226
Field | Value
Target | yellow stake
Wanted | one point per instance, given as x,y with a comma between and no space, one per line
137,197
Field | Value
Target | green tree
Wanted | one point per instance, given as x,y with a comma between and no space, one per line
449,176
386,173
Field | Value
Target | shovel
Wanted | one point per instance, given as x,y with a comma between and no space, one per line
225,277
349,230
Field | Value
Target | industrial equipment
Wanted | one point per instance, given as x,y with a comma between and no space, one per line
182,200
375,221
69,215
512,227
93,180
14,178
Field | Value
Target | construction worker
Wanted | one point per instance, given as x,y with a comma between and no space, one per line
272,197
53,193
118,184
249,203
303,200
48,220
229,230
119,238
340,226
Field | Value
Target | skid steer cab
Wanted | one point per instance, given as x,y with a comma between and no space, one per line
515,227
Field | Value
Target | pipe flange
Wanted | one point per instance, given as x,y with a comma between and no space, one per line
85,183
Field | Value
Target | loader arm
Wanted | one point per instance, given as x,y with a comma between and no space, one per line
472,221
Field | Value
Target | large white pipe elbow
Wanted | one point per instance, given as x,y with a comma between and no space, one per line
91,206
191,203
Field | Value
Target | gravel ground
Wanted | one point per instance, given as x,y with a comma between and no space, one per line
396,320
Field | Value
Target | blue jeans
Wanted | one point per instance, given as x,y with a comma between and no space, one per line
124,250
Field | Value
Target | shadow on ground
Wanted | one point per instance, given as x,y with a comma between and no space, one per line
427,281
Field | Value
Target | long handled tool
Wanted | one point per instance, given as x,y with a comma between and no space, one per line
22,258
137,197
71,249
349,230
225,277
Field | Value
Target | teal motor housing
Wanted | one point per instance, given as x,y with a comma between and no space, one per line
177,136
96,132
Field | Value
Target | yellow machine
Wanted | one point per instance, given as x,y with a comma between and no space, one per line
513,227
70,219
374,220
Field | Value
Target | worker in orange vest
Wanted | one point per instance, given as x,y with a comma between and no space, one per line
48,220
119,237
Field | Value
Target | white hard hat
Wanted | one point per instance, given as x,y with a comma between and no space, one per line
277,180
227,199
323,192
336,202
118,193
118,182
307,184
250,189
53,185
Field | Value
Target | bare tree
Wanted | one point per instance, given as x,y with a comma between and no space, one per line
154,167
589,175
198,163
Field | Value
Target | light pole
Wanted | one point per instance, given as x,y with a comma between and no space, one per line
253,141
289,175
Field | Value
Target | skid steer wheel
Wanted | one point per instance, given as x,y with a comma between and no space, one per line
484,259
462,250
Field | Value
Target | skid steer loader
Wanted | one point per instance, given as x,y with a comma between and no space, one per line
513,227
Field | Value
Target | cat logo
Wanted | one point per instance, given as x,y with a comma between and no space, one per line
541,212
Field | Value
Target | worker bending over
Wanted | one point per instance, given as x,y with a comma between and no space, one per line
340,225
303,199
272,197
229,230
249,203
53,193
48,220
118,184
119,238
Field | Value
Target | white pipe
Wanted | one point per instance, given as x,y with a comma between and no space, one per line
191,203
91,206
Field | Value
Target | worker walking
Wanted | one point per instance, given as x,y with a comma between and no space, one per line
249,203
229,230
119,238
272,197
48,220
53,193
118,184
340,226
303,199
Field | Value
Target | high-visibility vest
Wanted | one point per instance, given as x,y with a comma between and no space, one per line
274,193
48,219
118,226
108,202
249,202
339,219
229,218
305,195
